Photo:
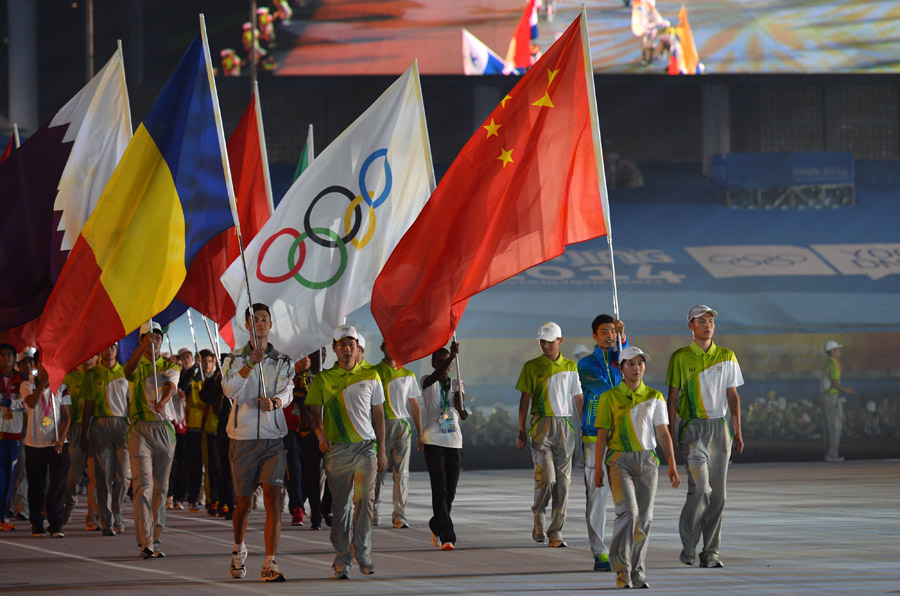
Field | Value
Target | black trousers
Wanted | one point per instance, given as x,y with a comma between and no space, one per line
213,465
226,486
47,472
178,475
293,480
193,456
311,460
443,465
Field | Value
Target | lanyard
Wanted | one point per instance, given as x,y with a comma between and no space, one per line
445,401
46,405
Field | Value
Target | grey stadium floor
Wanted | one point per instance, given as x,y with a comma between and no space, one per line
790,528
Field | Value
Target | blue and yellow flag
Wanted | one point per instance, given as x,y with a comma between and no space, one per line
166,199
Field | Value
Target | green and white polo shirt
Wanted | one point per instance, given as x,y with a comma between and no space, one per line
347,397
631,417
143,390
551,384
400,386
833,374
703,379
108,389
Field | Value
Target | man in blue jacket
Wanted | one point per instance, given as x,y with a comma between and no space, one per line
598,372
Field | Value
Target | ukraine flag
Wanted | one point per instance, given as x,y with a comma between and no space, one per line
167,198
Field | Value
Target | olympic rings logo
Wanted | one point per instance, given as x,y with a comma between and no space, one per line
327,238
782,260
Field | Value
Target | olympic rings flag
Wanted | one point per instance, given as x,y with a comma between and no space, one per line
316,259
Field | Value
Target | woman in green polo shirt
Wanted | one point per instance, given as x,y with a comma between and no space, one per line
627,417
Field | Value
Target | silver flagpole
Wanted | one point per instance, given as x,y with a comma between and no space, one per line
196,347
153,353
462,395
212,343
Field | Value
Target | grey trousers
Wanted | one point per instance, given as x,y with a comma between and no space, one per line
706,447
833,410
595,507
632,482
109,449
552,445
78,463
396,447
351,469
151,449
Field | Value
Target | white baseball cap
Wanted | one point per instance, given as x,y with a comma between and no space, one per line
342,331
632,351
549,332
831,344
581,351
151,327
700,310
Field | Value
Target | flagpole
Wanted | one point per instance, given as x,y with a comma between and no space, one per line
213,345
267,182
124,87
310,146
153,353
16,134
598,161
196,347
253,41
462,397
230,185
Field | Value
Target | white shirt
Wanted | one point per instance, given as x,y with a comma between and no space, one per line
38,435
437,406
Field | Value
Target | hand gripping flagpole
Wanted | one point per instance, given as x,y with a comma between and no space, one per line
598,161
153,353
462,396
223,150
196,347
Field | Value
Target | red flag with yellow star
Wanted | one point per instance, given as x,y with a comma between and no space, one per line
527,184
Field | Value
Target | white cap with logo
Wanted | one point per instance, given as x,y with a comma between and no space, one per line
549,332
700,310
342,331
361,341
151,327
831,344
631,352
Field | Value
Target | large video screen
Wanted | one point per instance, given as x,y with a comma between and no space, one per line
348,37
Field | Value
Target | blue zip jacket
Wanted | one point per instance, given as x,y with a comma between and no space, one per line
598,372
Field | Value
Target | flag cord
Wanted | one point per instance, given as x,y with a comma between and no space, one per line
196,347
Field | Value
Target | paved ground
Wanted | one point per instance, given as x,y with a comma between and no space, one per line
732,36
809,528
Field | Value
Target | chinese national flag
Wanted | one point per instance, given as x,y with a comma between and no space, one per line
526,185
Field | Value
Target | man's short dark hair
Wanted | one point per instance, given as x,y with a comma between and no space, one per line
206,354
601,320
257,307
9,347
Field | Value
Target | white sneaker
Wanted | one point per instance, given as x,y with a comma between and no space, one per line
270,573
238,558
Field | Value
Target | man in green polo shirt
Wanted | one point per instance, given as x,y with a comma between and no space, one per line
345,404
80,460
151,436
703,379
106,395
831,400
401,391
550,385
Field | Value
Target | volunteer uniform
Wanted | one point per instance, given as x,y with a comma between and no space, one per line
191,383
399,386
704,439
443,454
552,385
347,398
109,390
832,408
631,417
598,372
46,469
151,449
79,461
